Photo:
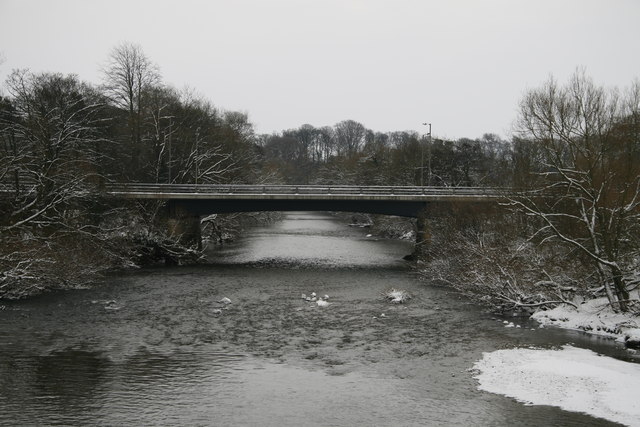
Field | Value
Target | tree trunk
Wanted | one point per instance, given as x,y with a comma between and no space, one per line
620,288
613,300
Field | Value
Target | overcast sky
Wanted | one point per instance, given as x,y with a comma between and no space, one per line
462,65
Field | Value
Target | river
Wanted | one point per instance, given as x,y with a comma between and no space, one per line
154,347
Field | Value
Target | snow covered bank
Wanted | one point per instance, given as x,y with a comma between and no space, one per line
571,378
594,316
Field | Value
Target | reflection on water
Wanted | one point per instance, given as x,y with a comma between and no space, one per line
167,353
305,240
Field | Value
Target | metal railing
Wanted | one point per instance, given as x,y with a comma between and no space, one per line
233,189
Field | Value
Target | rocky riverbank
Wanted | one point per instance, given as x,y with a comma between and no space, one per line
594,316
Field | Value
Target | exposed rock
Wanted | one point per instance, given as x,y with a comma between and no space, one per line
632,341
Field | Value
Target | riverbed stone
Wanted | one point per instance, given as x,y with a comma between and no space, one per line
632,342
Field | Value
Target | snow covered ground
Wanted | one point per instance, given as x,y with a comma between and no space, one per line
596,317
570,378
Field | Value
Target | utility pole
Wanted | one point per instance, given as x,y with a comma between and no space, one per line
169,146
422,161
197,154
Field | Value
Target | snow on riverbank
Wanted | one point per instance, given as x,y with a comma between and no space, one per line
596,317
571,378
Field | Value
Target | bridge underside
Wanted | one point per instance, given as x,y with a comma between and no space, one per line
384,207
187,203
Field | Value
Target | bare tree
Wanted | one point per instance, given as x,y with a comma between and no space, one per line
127,76
209,146
205,162
349,136
50,136
50,129
590,174
236,135
162,113
14,154
327,141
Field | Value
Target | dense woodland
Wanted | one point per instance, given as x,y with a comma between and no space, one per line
572,227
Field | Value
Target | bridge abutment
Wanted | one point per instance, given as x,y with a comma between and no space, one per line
184,225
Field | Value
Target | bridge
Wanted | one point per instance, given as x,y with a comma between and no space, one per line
187,203
204,199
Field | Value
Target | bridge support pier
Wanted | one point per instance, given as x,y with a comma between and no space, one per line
184,225
423,233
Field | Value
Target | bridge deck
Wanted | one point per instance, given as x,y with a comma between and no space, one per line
302,192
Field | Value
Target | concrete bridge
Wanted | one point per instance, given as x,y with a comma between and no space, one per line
204,199
189,202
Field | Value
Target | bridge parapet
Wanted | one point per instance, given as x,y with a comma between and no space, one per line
327,192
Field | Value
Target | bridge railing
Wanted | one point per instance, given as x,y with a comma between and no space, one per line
230,189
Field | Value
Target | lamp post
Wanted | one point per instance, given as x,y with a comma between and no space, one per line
197,160
169,146
422,160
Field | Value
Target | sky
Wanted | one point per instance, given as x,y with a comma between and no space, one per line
461,65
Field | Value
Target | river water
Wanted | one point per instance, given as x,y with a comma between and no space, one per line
155,347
